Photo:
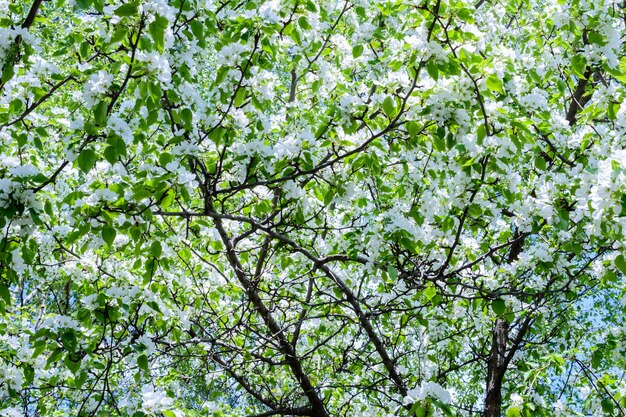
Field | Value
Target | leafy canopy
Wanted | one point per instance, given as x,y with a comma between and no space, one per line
312,207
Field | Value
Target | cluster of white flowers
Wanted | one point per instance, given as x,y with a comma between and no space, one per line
12,192
11,377
120,127
24,171
536,100
101,194
60,321
96,86
428,389
154,401
231,53
418,41
269,11
12,412
159,64
158,7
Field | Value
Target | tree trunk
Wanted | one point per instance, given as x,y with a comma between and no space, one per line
496,367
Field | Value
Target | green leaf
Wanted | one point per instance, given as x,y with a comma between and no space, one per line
73,366
186,117
98,5
429,292
420,411
80,379
607,406
447,410
328,196
612,110
157,31
514,411
494,83
111,155
481,134
168,198
432,69
304,23
498,307
7,71
100,112
108,234
540,163
5,294
156,249
389,106
563,223
240,97
578,64
392,272
197,29
310,6
142,362
86,160
128,9
357,51
509,316
620,263
29,374
165,158
596,359
69,340
120,146
83,4
140,192
84,50
609,276
221,74
154,305
168,413
413,129
48,208
54,356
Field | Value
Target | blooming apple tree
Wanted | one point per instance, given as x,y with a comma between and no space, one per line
312,208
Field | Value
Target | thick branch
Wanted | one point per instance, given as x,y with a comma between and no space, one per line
276,331
32,13
579,100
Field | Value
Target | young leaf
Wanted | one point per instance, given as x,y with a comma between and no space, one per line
73,366
494,83
5,294
142,362
240,97
514,411
156,249
108,234
128,9
389,106
86,160
578,64
157,31
100,113
498,307
357,51
432,69
304,23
